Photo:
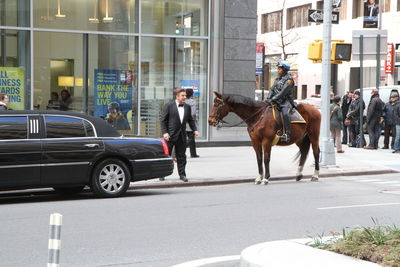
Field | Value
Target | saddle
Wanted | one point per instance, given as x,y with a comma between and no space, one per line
294,115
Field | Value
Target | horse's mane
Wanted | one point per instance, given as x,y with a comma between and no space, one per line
239,99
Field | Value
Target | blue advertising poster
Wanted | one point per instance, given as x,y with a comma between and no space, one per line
113,96
192,84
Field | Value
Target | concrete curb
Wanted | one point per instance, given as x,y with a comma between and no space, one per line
210,182
288,253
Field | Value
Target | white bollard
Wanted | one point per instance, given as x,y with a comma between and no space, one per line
54,240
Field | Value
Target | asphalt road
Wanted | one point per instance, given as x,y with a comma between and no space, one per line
164,227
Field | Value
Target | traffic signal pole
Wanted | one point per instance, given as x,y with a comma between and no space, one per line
326,143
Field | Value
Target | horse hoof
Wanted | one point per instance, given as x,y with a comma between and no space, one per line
257,182
264,182
299,177
314,179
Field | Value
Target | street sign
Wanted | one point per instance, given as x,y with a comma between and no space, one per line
369,44
259,58
317,15
336,3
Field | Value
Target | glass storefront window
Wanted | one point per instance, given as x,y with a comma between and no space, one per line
168,63
14,13
113,80
60,70
175,17
15,68
88,15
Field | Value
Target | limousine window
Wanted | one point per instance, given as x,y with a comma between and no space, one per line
64,127
89,129
13,127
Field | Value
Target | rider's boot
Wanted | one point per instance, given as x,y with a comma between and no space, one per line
286,124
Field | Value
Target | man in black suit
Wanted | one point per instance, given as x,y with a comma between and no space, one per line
173,125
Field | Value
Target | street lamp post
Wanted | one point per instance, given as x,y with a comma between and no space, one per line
326,143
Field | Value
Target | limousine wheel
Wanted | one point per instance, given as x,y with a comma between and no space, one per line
69,189
110,178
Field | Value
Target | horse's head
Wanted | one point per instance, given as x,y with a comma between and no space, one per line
219,110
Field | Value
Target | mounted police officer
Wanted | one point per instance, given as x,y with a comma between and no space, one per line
281,94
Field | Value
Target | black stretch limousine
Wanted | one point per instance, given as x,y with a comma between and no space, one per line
68,151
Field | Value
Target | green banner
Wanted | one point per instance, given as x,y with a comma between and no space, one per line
12,84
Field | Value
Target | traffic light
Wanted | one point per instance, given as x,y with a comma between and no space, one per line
341,52
315,51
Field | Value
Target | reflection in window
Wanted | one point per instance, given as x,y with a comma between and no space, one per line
13,127
91,15
174,17
14,13
64,127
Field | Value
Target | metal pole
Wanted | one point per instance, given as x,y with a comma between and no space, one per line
54,240
263,75
361,120
378,60
326,143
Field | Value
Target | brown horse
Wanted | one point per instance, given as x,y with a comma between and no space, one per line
262,128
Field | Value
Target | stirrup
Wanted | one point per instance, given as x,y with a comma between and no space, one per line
284,138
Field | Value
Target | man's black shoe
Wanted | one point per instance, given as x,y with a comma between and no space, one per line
195,156
184,179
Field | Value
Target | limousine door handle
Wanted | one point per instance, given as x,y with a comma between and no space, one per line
92,145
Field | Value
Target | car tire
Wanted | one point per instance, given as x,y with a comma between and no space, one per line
67,190
111,178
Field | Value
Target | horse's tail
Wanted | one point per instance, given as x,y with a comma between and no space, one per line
304,149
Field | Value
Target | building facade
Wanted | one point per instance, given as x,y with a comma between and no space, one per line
111,58
285,24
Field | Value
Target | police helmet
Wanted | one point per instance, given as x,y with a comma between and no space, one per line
113,105
284,65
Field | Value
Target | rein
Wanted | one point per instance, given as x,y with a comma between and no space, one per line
241,122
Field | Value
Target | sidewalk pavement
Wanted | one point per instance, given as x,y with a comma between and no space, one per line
224,165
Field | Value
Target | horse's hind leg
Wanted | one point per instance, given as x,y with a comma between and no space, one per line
267,156
315,148
258,149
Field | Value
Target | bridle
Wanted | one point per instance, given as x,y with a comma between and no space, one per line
216,118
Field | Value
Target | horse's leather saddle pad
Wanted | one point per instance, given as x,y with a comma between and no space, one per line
295,116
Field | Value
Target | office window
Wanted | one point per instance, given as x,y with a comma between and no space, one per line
318,89
358,8
386,5
297,16
271,22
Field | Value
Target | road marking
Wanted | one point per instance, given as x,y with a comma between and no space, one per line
369,180
205,261
359,206
386,182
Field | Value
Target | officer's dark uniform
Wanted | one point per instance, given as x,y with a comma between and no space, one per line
281,93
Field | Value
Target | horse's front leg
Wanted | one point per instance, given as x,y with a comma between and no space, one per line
258,149
267,156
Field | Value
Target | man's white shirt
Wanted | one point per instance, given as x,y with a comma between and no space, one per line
181,111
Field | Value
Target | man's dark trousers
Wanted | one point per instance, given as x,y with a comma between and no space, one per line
390,131
180,152
374,129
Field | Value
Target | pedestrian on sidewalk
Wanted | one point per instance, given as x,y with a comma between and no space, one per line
390,126
353,116
173,125
396,121
190,134
374,119
346,101
336,123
